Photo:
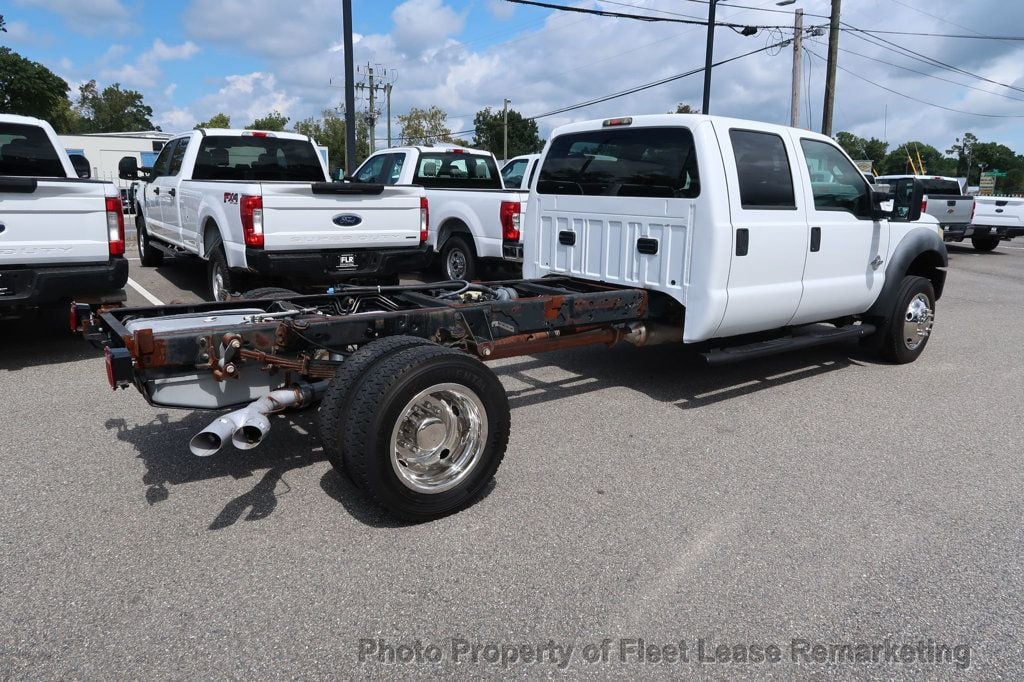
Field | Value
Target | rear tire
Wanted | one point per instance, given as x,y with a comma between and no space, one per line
458,260
269,292
219,275
985,243
910,323
426,430
149,255
333,407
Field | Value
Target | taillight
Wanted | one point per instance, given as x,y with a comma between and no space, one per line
119,367
115,226
511,215
251,210
424,219
924,205
109,361
78,314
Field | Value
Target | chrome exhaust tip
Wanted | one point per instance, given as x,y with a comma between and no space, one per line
250,432
210,440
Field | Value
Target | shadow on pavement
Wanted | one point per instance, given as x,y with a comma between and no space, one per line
43,339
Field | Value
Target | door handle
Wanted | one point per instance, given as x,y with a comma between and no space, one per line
742,241
172,192
156,190
815,239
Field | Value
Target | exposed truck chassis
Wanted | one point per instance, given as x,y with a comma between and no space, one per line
340,350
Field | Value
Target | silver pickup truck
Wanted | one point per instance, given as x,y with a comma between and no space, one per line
941,198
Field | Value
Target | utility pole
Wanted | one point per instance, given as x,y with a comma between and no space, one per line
387,92
505,135
798,41
830,75
708,57
377,81
350,89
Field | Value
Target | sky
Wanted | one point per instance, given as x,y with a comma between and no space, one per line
194,58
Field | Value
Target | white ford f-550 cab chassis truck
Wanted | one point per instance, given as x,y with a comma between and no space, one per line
653,229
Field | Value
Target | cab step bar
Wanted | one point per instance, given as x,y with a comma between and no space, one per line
803,337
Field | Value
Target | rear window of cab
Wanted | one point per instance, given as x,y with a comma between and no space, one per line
457,170
625,162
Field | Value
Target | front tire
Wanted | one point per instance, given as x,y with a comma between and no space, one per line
149,255
910,323
458,261
426,431
985,243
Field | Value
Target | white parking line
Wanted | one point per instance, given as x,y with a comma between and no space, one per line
145,294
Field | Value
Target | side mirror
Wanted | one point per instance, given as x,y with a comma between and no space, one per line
881,202
128,168
81,165
916,199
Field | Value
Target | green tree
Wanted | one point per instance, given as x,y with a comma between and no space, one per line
425,127
219,120
684,109
934,162
29,88
112,110
860,148
963,151
275,121
329,130
991,156
523,135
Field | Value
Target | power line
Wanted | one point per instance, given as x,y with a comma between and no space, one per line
637,17
923,73
915,99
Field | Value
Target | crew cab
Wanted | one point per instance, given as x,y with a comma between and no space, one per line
738,238
518,171
996,218
61,235
259,207
474,219
942,197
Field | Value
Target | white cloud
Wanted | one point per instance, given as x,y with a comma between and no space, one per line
90,17
146,72
269,28
246,97
422,24
501,10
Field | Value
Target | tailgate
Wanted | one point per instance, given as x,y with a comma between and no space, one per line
999,211
295,217
60,221
950,209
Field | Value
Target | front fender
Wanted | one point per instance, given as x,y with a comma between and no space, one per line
920,252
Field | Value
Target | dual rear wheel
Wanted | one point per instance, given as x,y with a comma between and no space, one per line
420,428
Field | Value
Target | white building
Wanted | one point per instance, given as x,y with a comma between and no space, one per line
105,150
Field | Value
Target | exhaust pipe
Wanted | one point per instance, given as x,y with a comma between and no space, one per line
248,426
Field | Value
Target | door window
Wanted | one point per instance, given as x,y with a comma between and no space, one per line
163,162
177,156
371,170
762,166
837,185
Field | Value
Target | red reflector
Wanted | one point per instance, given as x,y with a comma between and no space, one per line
511,214
424,219
251,211
924,205
115,226
109,361
73,317
624,121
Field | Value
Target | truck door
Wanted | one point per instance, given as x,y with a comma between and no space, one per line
769,230
846,249
170,192
155,189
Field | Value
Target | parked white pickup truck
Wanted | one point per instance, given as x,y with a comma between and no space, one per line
61,235
474,219
258,206
685,229
518,172
941,197
996,218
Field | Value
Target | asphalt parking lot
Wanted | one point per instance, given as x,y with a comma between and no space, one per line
819,496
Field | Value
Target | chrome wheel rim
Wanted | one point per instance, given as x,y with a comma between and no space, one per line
140,239
917,322
456,264
218,283
438,438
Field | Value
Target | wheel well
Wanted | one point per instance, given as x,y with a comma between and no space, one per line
211,237
929,264
454,226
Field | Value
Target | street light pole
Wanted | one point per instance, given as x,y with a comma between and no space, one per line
505,134
708,58
350,89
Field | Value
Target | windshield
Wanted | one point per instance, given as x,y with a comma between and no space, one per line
639,162
257,158
25,150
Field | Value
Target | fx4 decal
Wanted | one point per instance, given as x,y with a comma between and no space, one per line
230,197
